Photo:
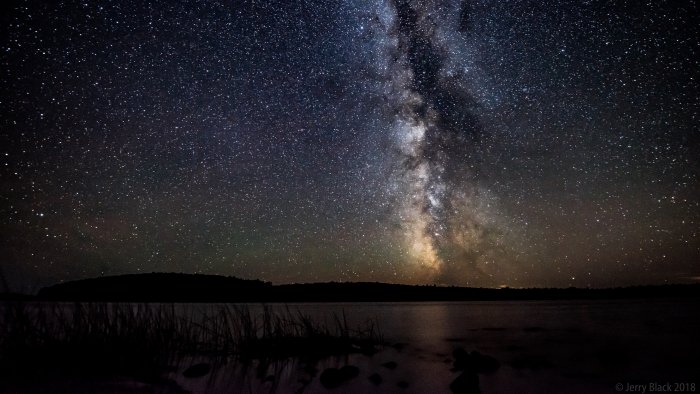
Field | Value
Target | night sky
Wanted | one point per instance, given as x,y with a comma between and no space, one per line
476,143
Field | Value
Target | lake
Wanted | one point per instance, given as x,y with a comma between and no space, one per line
541,346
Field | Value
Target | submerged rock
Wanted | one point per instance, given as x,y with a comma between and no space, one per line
390,365
197,370
484,363
474,361
375,379
466,383
462,360
333,377
349,372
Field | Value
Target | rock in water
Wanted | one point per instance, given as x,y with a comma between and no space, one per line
483,363
330,378
390,365
333,377
197,370
375,379
462,360
466,383
474,361
349,372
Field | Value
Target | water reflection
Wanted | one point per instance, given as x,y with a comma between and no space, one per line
584,346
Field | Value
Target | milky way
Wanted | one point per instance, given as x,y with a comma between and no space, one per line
434,132
479,143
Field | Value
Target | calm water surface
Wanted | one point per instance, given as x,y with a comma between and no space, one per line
543,346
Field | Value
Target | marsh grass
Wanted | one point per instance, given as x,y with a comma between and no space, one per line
145,341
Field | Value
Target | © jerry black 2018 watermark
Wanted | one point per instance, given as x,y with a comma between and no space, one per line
656,387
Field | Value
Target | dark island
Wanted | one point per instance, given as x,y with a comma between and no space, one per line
175,287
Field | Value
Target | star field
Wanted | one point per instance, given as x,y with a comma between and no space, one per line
475,143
